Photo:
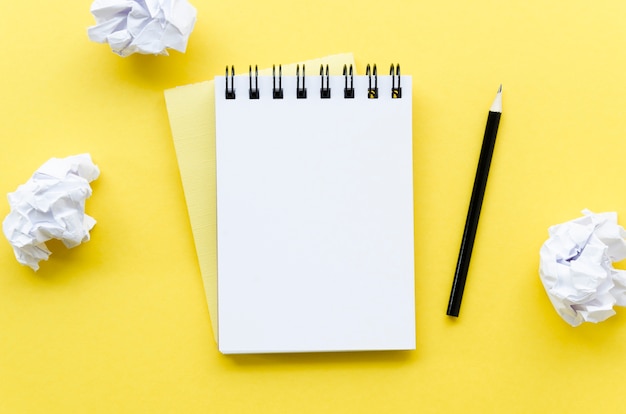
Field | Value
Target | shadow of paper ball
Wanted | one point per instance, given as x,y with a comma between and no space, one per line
64,260
60,253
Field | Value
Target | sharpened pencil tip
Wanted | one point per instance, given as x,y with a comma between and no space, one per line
496,106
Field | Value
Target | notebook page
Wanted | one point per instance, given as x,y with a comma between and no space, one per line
314,218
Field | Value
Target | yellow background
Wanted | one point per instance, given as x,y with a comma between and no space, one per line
120,324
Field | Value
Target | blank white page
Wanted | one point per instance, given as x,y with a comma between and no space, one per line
314,218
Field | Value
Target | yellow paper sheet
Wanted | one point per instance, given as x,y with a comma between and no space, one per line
191,111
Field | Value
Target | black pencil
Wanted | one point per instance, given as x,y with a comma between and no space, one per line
476,202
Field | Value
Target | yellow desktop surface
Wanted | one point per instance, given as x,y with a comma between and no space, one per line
121,323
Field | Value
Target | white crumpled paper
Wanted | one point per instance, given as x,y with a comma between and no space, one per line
576,267
51,205
142,26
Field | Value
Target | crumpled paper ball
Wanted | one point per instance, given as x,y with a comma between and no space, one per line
51,205
142,26
577,267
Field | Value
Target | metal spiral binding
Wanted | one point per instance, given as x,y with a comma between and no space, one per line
348,93
300,92
325,91
254,92
230,92
396,91
277,93
372,93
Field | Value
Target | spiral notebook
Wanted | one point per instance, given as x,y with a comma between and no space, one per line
314,212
